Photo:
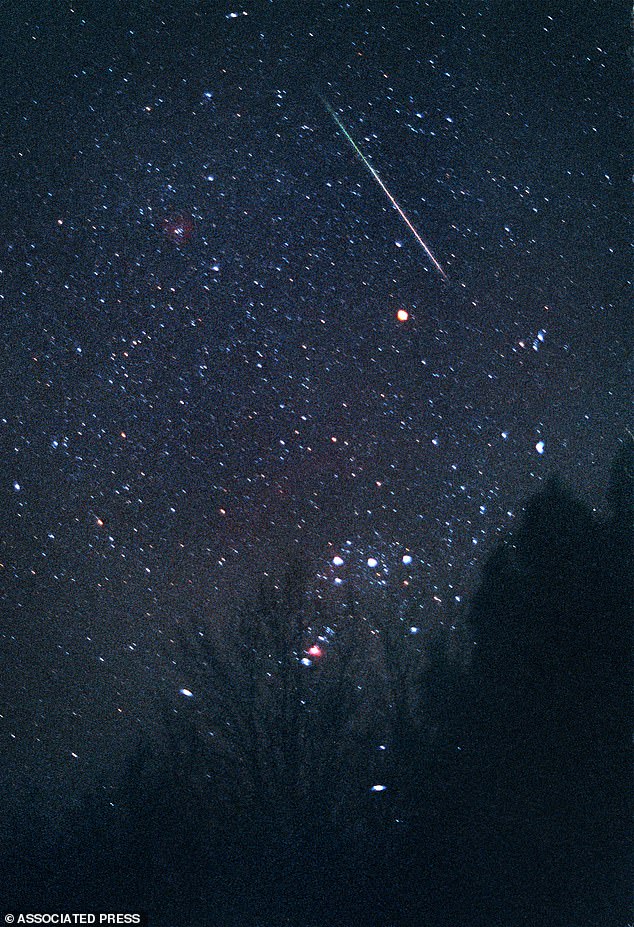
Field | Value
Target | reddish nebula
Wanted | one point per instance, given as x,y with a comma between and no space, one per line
178,228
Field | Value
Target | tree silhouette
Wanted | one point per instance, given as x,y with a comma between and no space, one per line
377,682
543,720
282,750
354,761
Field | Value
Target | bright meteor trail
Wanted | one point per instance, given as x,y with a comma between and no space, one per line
374,173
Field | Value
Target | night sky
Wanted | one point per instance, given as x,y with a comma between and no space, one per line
204,370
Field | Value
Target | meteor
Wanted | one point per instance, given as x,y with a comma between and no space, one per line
376,176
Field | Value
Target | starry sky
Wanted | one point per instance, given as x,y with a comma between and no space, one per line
204,367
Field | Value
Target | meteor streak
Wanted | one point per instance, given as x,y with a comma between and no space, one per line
375,174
